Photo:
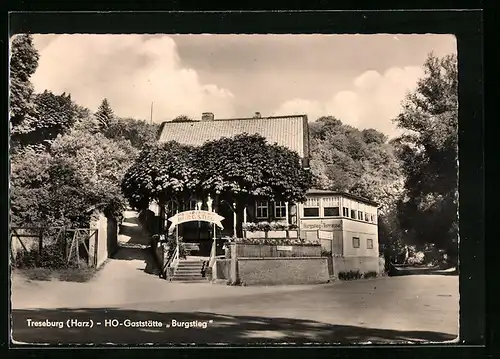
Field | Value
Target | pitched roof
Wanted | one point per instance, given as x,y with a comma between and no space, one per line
288,131
315,191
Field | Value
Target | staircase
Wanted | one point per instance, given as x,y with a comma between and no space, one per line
188,271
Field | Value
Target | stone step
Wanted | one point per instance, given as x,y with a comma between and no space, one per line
196,272
187,279
187,274
190,281
190,265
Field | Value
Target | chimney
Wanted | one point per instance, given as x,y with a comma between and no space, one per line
207,116
257,115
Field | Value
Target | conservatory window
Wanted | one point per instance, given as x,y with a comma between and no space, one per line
311,207
331,207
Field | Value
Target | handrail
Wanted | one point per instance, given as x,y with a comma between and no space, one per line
171,260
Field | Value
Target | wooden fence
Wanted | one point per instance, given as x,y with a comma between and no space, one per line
53,247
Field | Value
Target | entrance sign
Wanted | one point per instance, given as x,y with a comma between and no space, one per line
189,216
284,248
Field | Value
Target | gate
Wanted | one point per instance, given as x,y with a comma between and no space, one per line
53,247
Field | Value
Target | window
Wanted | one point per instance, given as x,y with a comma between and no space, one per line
366,217
353,213
355,242
332,211
311,207
369,243
345,211
262,209
279,210
374,218
360,215
331,206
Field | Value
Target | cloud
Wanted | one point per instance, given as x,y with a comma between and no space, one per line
132,71
372,102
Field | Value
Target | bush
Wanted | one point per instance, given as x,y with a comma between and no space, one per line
52,257
277,241
172,243
325,253
268,226
371,274
350,275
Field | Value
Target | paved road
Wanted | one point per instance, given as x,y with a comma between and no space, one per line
401,309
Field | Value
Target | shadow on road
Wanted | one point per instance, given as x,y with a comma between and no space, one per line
220,329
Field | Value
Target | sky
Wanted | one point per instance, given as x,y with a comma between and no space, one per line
359,79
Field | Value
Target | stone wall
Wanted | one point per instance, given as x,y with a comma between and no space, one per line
222,269
107,239
276,271
361,264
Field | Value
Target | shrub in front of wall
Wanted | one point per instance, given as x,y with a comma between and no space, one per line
371,274
350,275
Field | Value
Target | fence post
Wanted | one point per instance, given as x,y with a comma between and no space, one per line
65,242
77,246
96,244
40,246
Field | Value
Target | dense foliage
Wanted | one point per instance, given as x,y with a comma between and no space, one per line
23,63
429,152
183,118
346,159
235,169
64,162
139,133
63,186
161,171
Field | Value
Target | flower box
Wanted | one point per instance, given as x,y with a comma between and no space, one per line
276,234
293,234
256,234
248,250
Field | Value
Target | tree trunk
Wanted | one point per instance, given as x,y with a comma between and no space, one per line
240,207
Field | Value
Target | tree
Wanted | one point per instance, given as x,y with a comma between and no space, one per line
54,115
139,133
81,172
429,152
23,64
359,162
246,167
161,171
183,118
104,114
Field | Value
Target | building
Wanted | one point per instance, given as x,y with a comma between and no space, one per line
288,131
350,221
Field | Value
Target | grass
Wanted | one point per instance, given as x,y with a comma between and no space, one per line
79,275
